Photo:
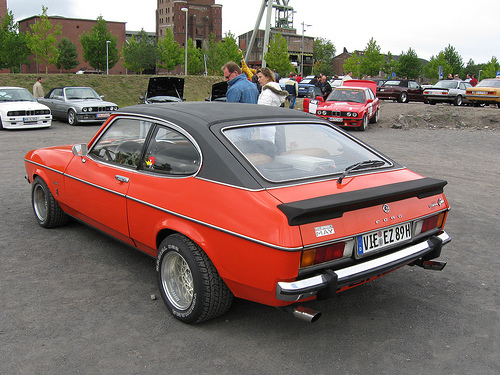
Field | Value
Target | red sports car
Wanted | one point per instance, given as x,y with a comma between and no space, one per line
352,105
270,205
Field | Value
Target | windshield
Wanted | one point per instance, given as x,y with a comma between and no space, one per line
489,83
73,93
298,151
342,94
16,95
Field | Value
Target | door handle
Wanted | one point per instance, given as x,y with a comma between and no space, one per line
121,178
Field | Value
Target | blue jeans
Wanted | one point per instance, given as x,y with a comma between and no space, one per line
292,99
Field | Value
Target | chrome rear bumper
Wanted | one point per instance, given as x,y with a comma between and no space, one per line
333,280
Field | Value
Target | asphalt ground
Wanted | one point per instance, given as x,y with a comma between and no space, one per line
74,301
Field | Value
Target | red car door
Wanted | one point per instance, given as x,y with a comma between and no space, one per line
96,192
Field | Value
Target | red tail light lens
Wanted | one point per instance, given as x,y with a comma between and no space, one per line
322,254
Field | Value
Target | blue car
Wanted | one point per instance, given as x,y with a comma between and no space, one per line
304,86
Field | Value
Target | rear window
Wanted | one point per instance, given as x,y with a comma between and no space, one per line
299,151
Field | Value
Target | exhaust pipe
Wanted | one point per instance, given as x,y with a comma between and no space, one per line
434,265
303,313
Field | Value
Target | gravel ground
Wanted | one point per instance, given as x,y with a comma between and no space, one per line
416,115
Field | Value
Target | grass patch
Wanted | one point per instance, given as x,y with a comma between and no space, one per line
123,90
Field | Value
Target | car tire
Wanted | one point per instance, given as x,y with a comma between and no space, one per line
403,97
364,123
432,102
47,211
189,283
458,100
375,117
72,120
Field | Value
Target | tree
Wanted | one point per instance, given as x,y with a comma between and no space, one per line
68,56
389,65
371,60
195,62
409,65
431,70
277,56
170,54
352,65
454,60
14,49
324,52
140,53
490,69
94,46
42,40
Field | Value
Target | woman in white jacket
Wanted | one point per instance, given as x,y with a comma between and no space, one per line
271,93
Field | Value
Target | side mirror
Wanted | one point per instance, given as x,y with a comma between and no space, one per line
320,99
80,149
369,101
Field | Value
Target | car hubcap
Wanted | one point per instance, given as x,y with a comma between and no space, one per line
40,203
177,280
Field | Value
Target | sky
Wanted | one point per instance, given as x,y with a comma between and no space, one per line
426,26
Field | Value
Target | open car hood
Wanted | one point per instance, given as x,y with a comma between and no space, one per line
166,86
219,91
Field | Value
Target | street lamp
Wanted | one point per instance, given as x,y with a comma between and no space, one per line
107,56
304,25
186,43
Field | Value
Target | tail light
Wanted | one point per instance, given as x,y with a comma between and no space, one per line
327,253
429,223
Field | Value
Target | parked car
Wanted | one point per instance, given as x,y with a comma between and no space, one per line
485,92
304,85
78,105
352,105
380,81
219,91
164,90
402,90
447,91
269,205
20,110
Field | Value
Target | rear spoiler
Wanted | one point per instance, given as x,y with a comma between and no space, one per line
333,206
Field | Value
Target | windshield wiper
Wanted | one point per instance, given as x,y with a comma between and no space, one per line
364,163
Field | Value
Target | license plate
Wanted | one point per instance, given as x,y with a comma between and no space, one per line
336,119
30,119
383,238
101,115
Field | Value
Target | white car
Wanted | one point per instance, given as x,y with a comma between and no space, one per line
20,110
447,91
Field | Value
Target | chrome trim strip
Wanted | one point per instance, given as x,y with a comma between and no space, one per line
295,290
227,231
44,166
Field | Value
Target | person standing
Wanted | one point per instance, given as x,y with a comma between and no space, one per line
347,77
473,81
271,95
38,88
292,87
239,88
324,86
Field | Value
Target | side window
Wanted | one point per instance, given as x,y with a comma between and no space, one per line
171,153
122,142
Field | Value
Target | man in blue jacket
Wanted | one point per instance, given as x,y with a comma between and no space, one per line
239,88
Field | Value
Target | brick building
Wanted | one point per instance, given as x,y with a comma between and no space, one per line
72,28
3,8
204,18
298,47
